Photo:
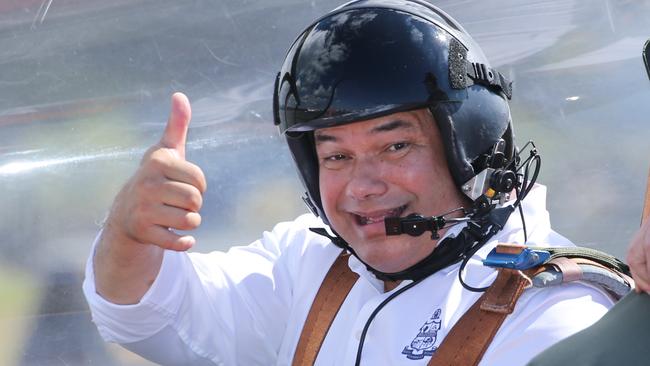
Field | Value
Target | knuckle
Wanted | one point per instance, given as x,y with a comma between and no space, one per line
142,183
138,225
141,209
190,220
158,160
167,242
197,220
194,201
135,232
148,154
141,218
185,223
147,185
203,184
199,177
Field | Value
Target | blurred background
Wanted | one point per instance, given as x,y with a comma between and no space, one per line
85,88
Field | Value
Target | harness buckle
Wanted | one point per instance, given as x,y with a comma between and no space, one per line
513,256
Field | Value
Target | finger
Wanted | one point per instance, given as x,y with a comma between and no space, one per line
638,266
640,285
167,239
175,218
644,271
181,195
639,269
175,134
635,250
186,172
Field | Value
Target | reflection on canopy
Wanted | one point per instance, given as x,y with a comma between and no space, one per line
85,88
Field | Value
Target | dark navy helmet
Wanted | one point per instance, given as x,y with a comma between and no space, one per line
371,58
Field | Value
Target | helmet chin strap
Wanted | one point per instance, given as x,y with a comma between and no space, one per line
444,254
449,251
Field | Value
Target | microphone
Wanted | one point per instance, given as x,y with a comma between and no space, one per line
414,225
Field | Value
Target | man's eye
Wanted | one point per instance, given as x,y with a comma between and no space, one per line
335,157
398,146
334,161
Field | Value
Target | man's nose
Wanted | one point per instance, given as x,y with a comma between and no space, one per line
366,180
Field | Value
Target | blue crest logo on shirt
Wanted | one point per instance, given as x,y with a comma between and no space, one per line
424,344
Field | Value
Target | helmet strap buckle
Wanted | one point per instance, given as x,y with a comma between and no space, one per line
485,75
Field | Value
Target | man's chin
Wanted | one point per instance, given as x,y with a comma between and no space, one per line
383,255
386,266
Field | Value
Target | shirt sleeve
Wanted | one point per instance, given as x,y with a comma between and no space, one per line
542,317
220,308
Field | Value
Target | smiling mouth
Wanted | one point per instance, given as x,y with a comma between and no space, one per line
375,218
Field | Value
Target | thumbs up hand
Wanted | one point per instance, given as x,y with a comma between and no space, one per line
164,194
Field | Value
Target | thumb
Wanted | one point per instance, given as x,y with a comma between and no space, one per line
175,133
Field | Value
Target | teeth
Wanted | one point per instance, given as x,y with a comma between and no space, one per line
365,220
371,220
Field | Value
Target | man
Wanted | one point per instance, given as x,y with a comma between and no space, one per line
395,120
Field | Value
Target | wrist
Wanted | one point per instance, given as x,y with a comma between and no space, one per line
124,268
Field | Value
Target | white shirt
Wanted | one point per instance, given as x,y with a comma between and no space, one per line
248,306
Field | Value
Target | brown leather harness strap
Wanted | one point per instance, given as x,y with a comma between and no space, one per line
578,261
335,287
467,340
470,337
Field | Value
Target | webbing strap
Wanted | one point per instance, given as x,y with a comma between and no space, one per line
335,287
470,337
581,252
589,261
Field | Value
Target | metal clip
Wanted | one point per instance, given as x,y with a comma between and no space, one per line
515,257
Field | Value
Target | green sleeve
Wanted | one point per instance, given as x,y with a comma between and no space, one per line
621,337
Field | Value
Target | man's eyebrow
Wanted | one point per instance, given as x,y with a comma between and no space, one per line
321,137
392,125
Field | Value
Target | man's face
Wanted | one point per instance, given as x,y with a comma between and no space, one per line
388,166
